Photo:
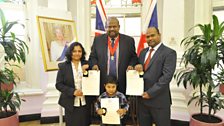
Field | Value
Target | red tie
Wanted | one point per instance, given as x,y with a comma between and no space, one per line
148,59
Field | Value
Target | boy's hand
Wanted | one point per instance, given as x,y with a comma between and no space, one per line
121,112
100,111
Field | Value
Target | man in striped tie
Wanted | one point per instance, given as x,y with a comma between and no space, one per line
113,54
159,63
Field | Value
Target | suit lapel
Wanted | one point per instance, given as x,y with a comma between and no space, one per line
142,59
105,47
121,47
156,55
69,69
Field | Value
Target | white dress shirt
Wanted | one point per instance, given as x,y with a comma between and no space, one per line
153,52
78,85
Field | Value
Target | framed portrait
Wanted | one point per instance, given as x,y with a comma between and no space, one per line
55,37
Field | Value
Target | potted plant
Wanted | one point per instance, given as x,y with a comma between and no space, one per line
200,58
9,100
15,50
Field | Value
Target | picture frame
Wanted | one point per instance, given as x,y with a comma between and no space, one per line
55,37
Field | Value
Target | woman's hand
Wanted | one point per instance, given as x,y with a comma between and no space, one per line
78,92
100,111
85,67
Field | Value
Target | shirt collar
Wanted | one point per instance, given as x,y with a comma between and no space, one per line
114,38
113,96
79,66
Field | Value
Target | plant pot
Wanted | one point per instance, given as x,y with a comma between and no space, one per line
216,121
221,88
10,121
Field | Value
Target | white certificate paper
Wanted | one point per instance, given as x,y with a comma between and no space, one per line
91,84
111,105
135,84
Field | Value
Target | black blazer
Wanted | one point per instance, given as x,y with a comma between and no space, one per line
127,56
158,75
65,84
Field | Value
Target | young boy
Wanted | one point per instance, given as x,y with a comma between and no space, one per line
111,92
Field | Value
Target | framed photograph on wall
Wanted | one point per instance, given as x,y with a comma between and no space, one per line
55,37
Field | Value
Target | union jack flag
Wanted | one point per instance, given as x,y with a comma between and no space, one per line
100,18
149,20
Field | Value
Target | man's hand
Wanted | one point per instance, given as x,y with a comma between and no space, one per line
145,95
130,68
85,67
139,68
95,67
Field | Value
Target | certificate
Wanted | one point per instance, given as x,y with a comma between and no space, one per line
91,84
111,105
135,84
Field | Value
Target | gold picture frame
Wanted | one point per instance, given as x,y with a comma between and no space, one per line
55,37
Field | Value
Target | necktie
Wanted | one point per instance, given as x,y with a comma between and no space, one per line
112,70
112,42
148,59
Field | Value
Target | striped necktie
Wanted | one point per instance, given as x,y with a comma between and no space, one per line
148,59
112,70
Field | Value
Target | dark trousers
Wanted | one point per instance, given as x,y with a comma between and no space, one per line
148,115
80,116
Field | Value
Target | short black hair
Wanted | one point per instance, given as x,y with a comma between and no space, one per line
70,49
111,79
157,29
111,18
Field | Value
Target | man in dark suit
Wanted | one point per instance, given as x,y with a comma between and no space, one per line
159,63
113,53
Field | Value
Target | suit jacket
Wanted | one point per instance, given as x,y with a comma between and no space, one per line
66,85
127,56
158,75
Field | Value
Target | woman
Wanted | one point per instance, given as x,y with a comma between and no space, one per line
69,83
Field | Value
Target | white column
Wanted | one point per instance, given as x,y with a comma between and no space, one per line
58,4
203,12
83,23
173,24
34,56
172,34
50,107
